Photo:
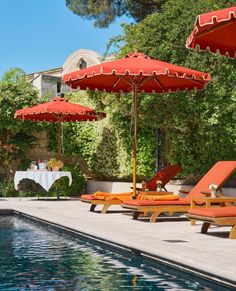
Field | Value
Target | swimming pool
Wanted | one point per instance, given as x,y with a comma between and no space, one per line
35,257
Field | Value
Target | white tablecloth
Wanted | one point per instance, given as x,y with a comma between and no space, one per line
44,178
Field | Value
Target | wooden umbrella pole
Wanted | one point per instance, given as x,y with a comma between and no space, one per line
59,157
59,141
135,87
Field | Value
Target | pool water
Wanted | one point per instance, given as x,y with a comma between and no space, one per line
35,257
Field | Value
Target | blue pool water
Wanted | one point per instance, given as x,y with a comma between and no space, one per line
35,257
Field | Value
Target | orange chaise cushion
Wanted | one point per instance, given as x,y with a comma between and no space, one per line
138,202
99,195
110,196
87,197
157,197
229,211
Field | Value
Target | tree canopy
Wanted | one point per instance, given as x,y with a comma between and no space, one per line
15,93
200,125
106,11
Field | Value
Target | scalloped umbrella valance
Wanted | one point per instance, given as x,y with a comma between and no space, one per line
136,73
59,110
215,32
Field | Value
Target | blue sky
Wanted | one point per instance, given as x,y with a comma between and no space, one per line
40,34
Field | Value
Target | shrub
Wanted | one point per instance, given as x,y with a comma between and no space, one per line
7,188
78,183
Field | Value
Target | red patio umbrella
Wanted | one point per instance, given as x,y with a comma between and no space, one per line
136,73
215,31
58,110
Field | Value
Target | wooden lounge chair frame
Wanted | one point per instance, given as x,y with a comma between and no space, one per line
165,175
108,203
156,210
171,208
218,221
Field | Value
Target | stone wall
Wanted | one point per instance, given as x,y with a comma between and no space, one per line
41,151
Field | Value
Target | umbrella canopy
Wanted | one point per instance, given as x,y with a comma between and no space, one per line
58,110
136,73
215,31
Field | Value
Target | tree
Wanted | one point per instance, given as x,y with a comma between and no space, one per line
15,93
106,11
200,125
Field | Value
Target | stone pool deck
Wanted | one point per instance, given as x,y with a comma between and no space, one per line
175,241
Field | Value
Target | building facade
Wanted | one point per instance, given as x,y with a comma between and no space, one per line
49,82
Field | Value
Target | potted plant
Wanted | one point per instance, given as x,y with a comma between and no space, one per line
42,164
55,164
213,188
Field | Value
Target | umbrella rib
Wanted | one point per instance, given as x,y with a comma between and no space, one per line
159,83
132,82
145,80
214,28
120,78
196,81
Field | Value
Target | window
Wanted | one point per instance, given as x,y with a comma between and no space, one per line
81,64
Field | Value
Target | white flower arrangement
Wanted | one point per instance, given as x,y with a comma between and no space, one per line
213,187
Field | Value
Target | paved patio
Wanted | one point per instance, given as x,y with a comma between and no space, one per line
176,241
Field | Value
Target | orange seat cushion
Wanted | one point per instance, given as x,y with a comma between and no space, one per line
87,197
229,211
138,202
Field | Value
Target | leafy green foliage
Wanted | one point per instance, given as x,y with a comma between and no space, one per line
106,11
7,188
200,125
107,145
77,187
15,137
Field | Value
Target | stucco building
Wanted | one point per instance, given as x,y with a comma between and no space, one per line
49,82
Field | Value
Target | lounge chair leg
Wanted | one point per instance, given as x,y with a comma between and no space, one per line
104,208
232,234
143,214
135,214
205,227
154,216
92,207
193,222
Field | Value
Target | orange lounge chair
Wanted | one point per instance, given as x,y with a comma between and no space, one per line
218,174
220,216
108,199
164,175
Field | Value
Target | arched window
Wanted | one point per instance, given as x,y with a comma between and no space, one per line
81,64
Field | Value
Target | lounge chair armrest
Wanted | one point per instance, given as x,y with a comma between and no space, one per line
197,201
208,201
185,192
220,200
207,194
